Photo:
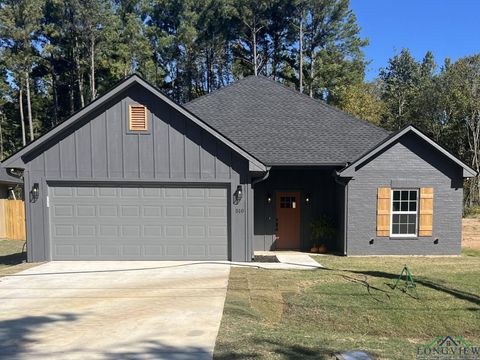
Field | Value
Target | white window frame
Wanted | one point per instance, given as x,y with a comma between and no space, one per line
404,213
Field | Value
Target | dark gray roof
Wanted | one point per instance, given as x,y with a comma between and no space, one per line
5,178
280,126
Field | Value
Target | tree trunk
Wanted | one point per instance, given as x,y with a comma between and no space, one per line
22,117
1,137
79,74
300,52
71,95
55,96
207,60
29,105
93,91
254,43
80,90
310,85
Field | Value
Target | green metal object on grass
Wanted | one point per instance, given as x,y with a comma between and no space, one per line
409,281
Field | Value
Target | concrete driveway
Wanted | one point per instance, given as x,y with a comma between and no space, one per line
112,310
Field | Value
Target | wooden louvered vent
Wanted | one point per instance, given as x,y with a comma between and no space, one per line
137,120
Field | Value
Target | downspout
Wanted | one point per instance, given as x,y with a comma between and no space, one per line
263,178
254,182
345,243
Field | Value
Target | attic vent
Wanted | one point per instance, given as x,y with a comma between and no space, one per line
137,120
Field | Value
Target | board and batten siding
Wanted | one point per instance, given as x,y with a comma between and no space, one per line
408,163
101,149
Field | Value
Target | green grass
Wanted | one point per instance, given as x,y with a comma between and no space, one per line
12,258
273,314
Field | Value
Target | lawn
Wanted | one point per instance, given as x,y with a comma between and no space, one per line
272,314
12,257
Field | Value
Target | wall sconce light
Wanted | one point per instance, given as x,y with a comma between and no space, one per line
435,241
238,195
35,192
371,241
269,198
307,198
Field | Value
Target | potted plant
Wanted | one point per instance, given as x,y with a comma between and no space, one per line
322,229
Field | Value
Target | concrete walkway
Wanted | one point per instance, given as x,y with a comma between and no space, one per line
112,310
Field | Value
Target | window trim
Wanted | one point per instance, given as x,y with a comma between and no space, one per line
408,236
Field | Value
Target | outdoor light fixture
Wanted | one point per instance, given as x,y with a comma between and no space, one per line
371,241
269,198
435,241
35,192
307,198
237,195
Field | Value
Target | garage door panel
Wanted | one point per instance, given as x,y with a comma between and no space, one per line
108,223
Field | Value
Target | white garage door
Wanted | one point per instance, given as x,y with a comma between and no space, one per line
138,223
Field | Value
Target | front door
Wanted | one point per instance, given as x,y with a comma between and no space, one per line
288,220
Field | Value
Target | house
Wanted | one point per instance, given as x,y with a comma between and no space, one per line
136,176
8,184
12,213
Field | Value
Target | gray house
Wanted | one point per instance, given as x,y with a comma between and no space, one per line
136,176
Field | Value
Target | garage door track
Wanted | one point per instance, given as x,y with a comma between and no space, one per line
112,310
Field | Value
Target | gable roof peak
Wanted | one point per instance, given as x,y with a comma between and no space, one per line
16,160
350,169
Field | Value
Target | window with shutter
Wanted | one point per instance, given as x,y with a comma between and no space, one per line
383,212
137,120
404,212
426,212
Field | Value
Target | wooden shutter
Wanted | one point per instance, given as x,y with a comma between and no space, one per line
425,218
137,120
383,211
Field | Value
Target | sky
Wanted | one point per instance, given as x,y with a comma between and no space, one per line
448,28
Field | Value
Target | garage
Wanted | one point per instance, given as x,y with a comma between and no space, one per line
135,176
138,223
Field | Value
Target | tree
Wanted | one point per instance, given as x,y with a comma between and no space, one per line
252,19
331,35
363,101
19,27
463,106
401,85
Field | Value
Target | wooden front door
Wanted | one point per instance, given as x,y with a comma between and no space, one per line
288,220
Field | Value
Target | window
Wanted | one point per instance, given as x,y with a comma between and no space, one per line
287,202
404,213
137,120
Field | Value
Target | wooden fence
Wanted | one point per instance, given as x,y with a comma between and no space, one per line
12,219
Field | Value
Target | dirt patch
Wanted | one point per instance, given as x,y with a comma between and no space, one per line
266,258
471,233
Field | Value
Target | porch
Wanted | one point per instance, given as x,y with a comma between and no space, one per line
289,200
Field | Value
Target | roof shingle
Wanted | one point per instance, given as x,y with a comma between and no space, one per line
280,126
